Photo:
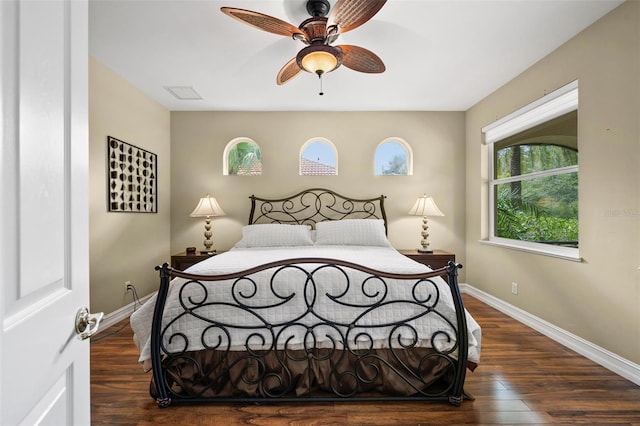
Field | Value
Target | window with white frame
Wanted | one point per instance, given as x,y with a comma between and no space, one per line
393,157
533,179
318,157
242,157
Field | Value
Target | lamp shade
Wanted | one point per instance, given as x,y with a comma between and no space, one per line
425,206
207,207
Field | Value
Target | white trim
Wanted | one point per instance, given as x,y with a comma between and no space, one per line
118,315
566,253
619,365
550,106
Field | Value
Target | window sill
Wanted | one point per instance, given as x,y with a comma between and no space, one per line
566,253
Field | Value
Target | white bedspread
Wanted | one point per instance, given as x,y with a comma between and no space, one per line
290,282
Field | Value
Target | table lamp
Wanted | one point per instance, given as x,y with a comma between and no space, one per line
425,206
207,208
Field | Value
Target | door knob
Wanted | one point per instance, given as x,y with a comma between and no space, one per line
87,324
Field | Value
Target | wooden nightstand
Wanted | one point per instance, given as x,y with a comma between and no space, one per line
435,260
182,261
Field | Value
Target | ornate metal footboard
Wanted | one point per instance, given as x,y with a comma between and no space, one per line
287,345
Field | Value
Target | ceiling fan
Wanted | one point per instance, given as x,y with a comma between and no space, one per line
318,33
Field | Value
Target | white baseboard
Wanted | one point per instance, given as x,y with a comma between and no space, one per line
120,314
619,365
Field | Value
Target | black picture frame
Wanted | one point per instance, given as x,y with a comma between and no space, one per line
132,178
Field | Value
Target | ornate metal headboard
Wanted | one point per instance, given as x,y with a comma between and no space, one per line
315,205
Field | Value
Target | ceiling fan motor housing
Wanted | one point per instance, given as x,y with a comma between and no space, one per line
315,30
318,7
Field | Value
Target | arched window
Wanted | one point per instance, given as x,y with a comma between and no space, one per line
393,158
318,157
242,157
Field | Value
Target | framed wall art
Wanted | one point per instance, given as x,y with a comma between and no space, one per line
132,178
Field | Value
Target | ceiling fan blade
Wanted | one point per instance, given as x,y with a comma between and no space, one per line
360,59
350,14
290,70
262,21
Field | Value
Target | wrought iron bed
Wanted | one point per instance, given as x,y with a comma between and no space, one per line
311,354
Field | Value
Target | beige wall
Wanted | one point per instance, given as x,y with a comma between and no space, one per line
598,299
437,140
124,246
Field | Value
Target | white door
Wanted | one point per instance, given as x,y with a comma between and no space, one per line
44,276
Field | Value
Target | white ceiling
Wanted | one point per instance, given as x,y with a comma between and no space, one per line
441,55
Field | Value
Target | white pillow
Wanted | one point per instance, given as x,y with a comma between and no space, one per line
354,232
275,235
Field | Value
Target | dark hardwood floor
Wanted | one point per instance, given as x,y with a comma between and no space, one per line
523,378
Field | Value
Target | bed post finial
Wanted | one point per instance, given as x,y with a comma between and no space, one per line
165,270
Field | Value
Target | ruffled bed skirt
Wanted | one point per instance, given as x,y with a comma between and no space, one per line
217,374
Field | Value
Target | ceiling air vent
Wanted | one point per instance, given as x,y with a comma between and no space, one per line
183,92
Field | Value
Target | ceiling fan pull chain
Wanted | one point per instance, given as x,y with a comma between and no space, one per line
320,77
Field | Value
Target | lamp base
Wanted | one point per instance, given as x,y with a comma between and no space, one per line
420,250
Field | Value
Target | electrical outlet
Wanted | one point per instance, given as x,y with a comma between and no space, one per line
514,288
127,286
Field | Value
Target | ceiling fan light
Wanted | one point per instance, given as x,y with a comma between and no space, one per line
319,59
319,62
